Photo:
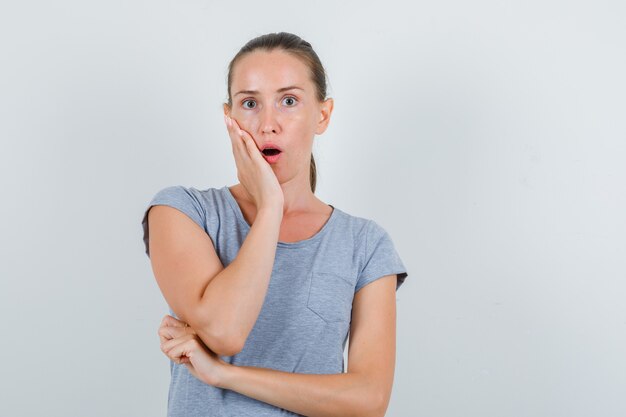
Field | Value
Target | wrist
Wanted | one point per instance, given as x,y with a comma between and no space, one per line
270,211
225,375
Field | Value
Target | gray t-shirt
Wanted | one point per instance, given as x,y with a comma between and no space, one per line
305,319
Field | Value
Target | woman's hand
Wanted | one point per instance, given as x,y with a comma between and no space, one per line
182,345
253,171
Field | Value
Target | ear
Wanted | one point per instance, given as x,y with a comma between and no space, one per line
226,109
326,109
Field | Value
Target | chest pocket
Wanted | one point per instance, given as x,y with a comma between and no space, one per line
330,296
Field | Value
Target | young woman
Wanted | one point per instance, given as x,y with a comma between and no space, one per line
264,280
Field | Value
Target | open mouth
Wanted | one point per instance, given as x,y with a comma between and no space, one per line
271,151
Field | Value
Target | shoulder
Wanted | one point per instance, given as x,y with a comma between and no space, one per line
199,200
197,204
181,192
376,253
189,200
365,231
356,226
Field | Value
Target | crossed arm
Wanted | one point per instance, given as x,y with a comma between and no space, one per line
178,250
363,391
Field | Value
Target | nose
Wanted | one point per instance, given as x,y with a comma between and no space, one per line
269,123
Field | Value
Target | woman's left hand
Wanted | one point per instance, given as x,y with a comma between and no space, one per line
182,345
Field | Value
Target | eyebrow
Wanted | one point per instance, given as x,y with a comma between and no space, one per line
280,90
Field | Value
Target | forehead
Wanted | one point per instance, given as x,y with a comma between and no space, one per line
268,71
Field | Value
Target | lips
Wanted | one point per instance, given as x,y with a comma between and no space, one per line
271,149
271,152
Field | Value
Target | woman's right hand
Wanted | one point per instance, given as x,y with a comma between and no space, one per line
253,171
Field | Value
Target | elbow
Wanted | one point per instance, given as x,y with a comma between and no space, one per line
379,411
370,408
374,409
226,350
227,346
365,402
214,337
376,406
221,343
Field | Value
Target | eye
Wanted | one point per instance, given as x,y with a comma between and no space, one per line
292,98
245,101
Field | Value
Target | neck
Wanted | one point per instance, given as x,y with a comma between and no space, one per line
297,194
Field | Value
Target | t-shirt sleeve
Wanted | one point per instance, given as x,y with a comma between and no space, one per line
380,258
181,198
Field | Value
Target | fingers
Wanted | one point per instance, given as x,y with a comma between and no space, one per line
250,145
178,347
171,332
168,328
169,344
253,151
172,321
239,148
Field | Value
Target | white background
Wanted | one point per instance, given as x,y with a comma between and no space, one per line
487,137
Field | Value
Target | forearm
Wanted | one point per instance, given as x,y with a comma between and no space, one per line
232,300
312,395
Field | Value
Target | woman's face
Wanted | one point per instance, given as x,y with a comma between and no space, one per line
288,118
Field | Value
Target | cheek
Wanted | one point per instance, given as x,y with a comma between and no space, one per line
295,122
298,118
249,121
